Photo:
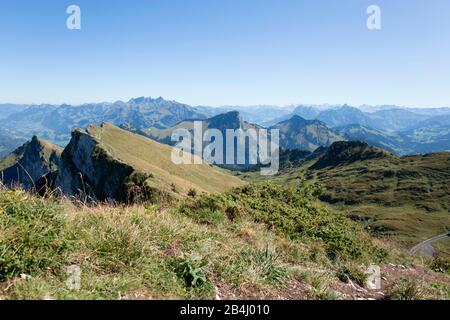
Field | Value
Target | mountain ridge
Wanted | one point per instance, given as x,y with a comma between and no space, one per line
299,133
27,164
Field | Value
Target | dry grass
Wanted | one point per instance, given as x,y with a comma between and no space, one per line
145,252
154,158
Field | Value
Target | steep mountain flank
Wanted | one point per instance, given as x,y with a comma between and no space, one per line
230,120
222,122
403,197
26,165
107,162
391,141
355,173
298,133
394,119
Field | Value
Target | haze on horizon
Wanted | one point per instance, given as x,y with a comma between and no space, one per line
227,52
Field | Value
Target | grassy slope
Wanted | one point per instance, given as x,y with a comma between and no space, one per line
443,246
161,134
47,150
8,161
408,198
155,158
142,252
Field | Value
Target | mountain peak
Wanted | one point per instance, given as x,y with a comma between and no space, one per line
141,100
298,133
31,161
229,120
35,139
296,117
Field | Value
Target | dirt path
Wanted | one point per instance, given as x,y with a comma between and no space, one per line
426,247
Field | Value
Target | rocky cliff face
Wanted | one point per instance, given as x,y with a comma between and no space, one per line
88,170
26,165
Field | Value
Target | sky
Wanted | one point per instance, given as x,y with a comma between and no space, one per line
226,52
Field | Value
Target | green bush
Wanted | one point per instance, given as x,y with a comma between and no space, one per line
350,272
405,289
292,212
31,231
191,270
441,263
205,210
260,264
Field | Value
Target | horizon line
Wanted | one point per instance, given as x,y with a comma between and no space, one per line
268,105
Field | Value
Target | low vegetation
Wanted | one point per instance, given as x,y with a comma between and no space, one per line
251,242
291,213
406,198
406,289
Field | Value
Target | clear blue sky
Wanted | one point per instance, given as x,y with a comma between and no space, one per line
226,52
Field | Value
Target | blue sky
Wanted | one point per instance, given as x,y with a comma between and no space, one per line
226,52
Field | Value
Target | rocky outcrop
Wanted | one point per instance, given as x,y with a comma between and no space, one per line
107,163
88,170
29,163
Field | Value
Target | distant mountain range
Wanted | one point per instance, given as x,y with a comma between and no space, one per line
394,119
397,129
54,123
295,133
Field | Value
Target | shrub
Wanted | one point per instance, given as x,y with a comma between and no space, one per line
260,264
174,188
350,272
293,213
192,193
405,289
318,287
138,189
31,234
207,209
191,270
441,263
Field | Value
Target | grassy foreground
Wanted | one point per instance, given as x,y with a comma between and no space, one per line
257,241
